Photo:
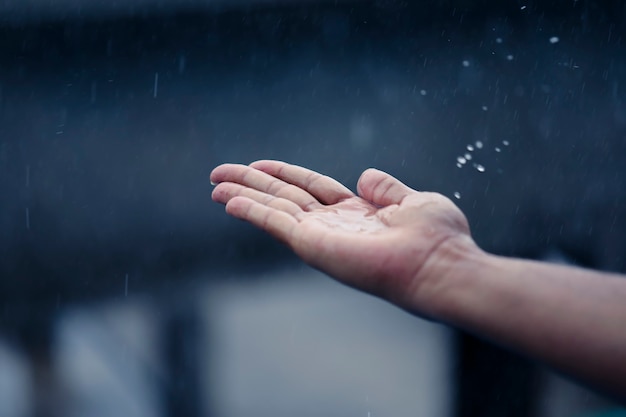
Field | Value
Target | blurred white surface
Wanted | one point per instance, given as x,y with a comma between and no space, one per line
286,344
107,360
15,384
304,345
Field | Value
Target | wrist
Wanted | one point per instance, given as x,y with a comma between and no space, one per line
451,266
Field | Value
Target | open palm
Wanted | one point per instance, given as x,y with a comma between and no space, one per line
378,241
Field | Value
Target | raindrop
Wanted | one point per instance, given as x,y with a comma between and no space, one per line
423,92
466,63
468,156
126,286
457,195
497,149
485,108
509,57
470,148
505,142
461,160
480,168
156,85
27,219
479,144
522,8
498,40
458,165
554,39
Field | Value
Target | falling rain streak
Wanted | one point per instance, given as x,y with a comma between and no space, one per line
27,185
156,85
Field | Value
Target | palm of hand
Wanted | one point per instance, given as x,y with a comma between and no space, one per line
377,241
352,216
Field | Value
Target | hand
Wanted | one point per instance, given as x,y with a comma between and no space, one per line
386,240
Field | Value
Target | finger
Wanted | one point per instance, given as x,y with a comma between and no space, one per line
261,181
226,191
276,222
322,187
381,188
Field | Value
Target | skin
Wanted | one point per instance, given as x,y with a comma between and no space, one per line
415,250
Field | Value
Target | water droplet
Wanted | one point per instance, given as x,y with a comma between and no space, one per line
479,144
497,149
459,165
485,108
505,142
457,195
466,63
470,148
155,90
461,160
480,168
423,92
509,57
468,156
554,39
498,40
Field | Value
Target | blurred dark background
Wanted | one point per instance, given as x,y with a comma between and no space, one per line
125,291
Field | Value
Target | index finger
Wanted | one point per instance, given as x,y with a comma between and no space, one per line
323,188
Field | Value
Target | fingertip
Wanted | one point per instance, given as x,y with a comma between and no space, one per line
217,174
213,178
237,206
258,162
225,172
217,195
369,171
365,179
264,164
381,188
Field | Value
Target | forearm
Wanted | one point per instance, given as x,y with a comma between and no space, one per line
570,318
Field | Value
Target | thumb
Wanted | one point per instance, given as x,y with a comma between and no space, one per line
381,188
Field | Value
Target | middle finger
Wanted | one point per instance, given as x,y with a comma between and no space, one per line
259,180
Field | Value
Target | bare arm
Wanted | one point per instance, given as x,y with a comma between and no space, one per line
570,318
415,250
